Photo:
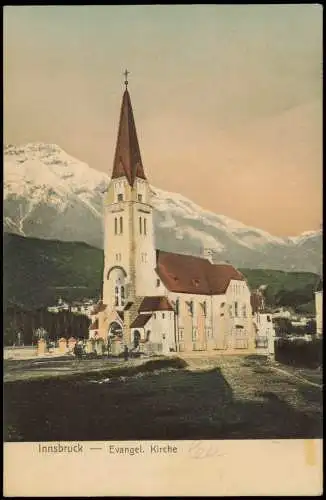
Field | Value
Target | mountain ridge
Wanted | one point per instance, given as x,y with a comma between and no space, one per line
51,195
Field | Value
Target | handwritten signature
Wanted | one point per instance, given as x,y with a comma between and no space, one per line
204,449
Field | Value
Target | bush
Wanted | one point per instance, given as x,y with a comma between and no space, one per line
299,352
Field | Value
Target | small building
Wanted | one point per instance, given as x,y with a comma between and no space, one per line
265,332
154,326
263,324
319,307
282,313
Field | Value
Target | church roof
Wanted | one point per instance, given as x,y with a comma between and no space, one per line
140,320
98,308
194,275
127,159
155,304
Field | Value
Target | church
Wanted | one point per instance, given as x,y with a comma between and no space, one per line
153,301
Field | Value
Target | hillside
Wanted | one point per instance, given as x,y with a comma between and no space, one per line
288,289
37,272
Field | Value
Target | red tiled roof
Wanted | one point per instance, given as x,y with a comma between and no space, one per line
94,325
155,304
127,159
140,321
195,275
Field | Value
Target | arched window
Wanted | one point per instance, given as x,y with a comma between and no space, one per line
115,225
121,225
122,294
140,225
116,296
145,226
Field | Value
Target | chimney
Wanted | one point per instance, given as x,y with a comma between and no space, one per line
208,254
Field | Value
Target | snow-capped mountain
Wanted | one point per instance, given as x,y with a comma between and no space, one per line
49,194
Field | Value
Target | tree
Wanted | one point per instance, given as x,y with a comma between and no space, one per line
41,333
283,326
311,327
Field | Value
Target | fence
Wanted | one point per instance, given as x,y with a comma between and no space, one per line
299,353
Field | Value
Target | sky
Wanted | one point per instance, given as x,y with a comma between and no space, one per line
227,99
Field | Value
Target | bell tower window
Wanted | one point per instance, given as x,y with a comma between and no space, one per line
140,198
115,226
121,225
120,197
145,226
140,225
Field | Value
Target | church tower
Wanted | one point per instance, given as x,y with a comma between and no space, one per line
129,249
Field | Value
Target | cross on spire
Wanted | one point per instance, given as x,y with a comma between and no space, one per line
127,158
126,73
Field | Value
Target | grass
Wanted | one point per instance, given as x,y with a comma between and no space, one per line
220,398
70,368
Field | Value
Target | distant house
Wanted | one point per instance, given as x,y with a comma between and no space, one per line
282,313
84,307
263,324
53,309
60,306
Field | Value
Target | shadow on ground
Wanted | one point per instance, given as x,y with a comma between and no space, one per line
163,404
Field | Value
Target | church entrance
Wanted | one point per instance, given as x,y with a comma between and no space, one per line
136,338
114,338
115,329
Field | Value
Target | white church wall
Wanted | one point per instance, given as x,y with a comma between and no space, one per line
145,254
162,324
220,322
159,330
194,321
240,322
117,250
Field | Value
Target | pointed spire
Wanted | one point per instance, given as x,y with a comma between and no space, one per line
127,159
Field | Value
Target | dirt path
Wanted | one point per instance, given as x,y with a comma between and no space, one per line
298,377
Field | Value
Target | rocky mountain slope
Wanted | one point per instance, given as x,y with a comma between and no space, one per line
49,194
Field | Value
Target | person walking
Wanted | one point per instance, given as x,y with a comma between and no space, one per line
126,353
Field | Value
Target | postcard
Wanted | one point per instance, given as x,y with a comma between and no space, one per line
163,279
